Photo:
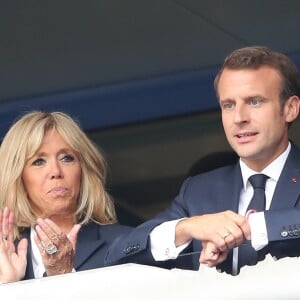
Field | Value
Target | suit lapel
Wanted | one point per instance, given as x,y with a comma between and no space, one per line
287,190
88,242
231,189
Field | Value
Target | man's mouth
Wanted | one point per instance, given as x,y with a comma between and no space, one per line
242,135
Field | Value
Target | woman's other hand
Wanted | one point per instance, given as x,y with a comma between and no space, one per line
57,250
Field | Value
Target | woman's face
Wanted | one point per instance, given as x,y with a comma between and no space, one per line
52,177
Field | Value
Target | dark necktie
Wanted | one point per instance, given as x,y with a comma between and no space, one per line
247,255
258,201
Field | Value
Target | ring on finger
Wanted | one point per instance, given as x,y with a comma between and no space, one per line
54,237
226,235
51,249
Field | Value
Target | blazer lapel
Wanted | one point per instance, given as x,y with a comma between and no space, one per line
229,192
287,190
88,242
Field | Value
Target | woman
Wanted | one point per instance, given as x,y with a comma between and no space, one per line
52,178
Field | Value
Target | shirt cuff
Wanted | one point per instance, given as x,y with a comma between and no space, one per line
162,240
259,235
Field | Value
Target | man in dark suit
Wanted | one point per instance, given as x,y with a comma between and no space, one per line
258,91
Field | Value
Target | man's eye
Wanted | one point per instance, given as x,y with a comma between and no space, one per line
228,106
255,101
67,158
38,162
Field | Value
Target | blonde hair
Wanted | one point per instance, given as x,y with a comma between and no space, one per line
22,141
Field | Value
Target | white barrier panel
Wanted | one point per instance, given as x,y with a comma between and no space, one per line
276,280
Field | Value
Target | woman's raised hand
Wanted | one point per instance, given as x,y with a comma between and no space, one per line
13,259
57,250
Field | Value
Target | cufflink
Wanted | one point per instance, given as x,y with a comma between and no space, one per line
167,251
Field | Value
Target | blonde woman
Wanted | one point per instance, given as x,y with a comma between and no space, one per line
53,199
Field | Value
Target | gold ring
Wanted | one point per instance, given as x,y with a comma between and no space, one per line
226,235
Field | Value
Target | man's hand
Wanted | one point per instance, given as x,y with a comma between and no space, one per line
225,230
211,255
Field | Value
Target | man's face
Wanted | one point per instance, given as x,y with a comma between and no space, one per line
254,121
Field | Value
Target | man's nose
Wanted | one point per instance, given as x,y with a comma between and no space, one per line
241,114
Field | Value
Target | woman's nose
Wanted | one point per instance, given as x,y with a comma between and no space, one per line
55,170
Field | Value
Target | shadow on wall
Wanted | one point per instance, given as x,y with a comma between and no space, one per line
127,216
212,161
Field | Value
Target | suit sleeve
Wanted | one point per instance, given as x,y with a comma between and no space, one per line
283,225
135,247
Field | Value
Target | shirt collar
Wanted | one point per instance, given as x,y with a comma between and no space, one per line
273,170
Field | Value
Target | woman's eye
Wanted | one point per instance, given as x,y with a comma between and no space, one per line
67,158
38,162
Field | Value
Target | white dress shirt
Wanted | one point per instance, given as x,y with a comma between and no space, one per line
37,262
162,237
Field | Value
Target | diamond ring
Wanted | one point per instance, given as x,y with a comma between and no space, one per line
51,249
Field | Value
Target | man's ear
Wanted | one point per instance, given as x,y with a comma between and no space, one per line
291,109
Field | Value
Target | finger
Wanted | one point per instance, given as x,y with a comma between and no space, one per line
52,225
5,222
214,261
208,261
22,249
74,234
230,234
1,220
222,257
209,255
49,228
230,240
41,245
233,237
243,225
203,258
42,240
11,224
220,242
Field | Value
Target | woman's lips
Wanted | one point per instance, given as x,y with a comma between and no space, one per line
58,191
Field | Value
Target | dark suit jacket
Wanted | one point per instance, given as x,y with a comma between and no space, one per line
217,191
92,244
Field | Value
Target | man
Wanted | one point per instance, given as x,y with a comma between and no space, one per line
258,91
